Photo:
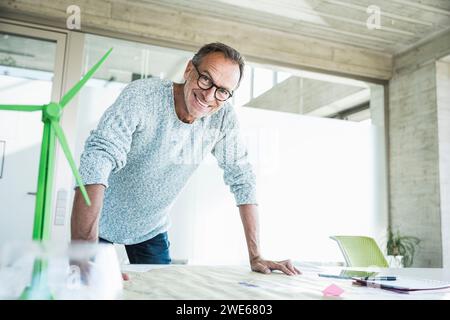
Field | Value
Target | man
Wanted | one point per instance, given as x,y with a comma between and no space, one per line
134,163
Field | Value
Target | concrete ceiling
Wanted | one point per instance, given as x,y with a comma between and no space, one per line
403,22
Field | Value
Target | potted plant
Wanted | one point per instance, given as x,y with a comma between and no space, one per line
402,245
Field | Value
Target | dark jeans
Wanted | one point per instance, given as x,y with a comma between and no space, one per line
152,251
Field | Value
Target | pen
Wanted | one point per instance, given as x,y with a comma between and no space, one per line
382,278
380,285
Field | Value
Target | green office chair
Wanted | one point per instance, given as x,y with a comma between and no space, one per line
361,251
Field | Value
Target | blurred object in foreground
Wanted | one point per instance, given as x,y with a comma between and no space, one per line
75,271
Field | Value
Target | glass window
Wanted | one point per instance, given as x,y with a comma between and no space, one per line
262,80
281,76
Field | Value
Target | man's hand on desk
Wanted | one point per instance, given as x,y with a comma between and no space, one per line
266,266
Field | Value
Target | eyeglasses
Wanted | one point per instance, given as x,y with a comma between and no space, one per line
205,83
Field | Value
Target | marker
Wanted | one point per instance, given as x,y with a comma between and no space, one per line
381,278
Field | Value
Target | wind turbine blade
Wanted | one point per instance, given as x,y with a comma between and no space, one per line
65,146
19,107
72,92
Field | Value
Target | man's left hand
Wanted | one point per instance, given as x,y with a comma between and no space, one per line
267,266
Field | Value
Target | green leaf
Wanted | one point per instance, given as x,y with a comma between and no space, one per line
405,245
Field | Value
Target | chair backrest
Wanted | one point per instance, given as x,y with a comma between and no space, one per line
361,251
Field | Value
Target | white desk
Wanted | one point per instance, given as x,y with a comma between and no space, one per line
238,282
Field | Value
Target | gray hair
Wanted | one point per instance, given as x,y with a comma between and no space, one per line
227,51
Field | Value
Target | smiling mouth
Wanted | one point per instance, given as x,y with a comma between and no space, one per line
203,105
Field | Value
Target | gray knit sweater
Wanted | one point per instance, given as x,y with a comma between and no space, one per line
144,155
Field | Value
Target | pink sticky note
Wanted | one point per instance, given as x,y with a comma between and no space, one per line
332,291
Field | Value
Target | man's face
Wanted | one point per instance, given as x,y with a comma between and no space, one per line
224,73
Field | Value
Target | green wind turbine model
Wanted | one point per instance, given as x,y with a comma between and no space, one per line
51,114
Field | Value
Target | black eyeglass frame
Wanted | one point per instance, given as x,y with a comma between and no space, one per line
212,85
